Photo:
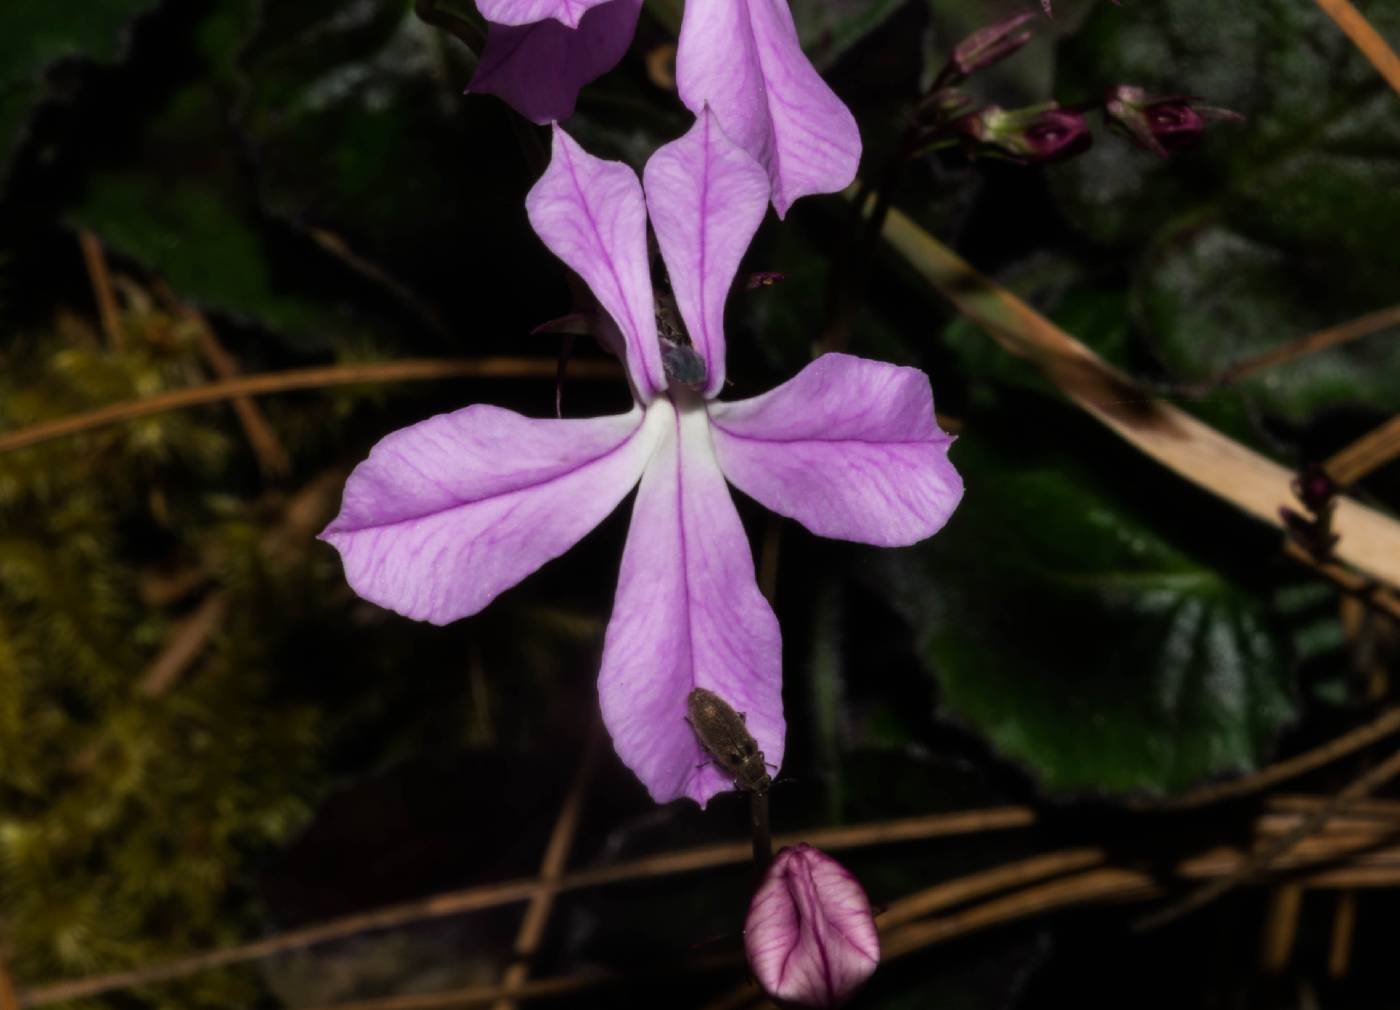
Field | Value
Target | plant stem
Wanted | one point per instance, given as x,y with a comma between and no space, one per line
762,835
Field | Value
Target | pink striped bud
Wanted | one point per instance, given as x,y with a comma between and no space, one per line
810,934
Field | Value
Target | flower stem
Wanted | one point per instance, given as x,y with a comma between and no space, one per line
762,836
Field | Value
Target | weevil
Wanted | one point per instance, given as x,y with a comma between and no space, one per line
725,736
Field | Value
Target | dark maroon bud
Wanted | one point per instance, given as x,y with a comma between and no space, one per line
988,45
1161,125
1034,135
1315,487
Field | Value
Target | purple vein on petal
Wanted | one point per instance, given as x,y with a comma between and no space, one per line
687,614
446,514
706,197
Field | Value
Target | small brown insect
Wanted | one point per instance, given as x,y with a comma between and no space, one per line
725,735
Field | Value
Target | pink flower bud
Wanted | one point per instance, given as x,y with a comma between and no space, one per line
810,934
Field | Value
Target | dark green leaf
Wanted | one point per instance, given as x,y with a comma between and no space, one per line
1079,640
35,34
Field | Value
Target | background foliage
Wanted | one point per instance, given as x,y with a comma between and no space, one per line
309,178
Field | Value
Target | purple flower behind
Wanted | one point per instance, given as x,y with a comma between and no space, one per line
810,935
741,59
539,68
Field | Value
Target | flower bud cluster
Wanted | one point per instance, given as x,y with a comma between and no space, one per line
1047,132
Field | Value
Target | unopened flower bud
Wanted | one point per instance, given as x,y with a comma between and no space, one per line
810,934
1315,487
1161,125
989,45
1039,133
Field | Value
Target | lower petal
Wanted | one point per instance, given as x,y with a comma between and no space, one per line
848,447
447,513
538,69
688,614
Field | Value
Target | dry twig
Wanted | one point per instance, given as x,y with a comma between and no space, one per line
301,378
1358,788
1320,340
1368,453
1366,38
96,262
1384,725
556,854
508,892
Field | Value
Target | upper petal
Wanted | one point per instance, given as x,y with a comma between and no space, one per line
447,513
539,68
524,12
591,214
688,614
706,197
743,59
848,447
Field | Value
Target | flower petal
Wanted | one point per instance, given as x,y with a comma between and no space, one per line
591,214
848,447
447,513
688,614
810,935
706,198
524,12
538,69
743,59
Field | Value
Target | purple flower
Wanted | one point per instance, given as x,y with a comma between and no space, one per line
1161,125
740,58
446,514
1038,134
810,935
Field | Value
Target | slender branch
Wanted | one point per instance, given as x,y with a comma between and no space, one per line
556,855
96,263
511,891
267,447
1384,725
1359,788
762,833
337,247
1364,37
300,378
1353,329
1367,590
1369,452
